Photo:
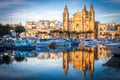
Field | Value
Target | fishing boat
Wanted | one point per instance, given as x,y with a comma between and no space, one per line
20,45
43,43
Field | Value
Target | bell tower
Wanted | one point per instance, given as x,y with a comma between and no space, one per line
92,20
65,19
92,13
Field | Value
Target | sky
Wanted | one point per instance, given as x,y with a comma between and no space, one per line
15,11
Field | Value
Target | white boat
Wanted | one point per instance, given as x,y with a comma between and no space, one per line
22,43
114,48
43,43
89,42
61,42
48,42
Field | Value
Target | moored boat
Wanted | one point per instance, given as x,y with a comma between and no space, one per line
20,45
43,43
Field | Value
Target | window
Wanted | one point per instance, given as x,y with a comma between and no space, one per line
100,29
91,16
100,33
77,25
42,23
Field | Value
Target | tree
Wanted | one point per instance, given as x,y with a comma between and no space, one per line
19,29
4,29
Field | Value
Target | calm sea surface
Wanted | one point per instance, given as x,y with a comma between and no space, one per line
76,63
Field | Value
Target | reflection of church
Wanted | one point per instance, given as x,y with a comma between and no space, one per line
82,59
65,62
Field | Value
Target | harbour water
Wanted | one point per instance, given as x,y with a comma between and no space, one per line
77,63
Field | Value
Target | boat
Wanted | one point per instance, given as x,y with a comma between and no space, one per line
90,42
43,43
20,45
114,48
48,42
59,42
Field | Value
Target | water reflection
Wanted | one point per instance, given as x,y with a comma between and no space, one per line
5,57
83,58
80,58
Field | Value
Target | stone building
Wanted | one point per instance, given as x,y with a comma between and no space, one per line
81,21
101,32
30,25
107,30
42,28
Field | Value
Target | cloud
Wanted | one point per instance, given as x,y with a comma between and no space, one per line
26,11
31,15
112,1
9,3
109,15
35,15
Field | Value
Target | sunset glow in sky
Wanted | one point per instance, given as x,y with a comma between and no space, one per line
15,11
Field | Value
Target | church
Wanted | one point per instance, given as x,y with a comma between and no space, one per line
83,21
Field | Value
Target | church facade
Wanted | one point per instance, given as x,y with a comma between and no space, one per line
81,21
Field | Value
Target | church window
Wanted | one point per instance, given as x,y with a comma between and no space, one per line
90,15
77,25
32,23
